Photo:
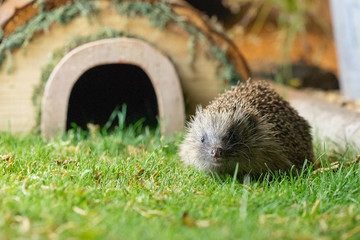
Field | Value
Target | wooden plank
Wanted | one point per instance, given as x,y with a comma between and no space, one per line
346,21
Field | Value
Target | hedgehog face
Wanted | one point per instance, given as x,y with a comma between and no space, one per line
216,141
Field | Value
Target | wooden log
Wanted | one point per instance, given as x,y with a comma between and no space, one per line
335,126
16,13
199,82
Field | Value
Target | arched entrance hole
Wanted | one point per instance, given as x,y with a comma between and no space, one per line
125,61
102,89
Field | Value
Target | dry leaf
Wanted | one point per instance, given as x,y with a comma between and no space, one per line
73,149
351,210
187,220
24,187
155,174
351,233
79,211
203,223
25,223
148,212
323,225
132,150
9,159
10,163
67,162
93,129
335,165
304,206
142,147
64,227
198,192
141,170
6,157
263,218
97,175
315,206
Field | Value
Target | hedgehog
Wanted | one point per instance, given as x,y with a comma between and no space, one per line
248,130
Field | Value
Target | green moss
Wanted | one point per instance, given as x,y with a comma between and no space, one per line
155,13
61,15
159,14
192,48
225,69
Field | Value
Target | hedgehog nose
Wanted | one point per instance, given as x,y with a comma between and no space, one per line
216,152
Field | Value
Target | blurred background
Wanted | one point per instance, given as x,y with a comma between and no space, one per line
289,41
293,42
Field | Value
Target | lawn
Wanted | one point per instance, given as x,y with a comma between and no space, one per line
130,184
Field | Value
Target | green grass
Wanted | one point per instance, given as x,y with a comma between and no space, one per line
131,185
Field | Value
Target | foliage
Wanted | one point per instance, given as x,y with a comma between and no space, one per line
42,22
159,14
130,184
292,18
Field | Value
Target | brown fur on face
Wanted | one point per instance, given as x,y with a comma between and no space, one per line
251,126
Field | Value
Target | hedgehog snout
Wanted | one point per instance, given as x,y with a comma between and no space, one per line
216,152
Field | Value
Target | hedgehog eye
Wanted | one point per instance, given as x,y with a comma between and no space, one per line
202,139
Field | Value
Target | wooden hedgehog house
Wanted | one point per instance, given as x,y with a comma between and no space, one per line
75,61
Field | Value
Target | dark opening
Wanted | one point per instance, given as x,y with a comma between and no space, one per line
104,88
